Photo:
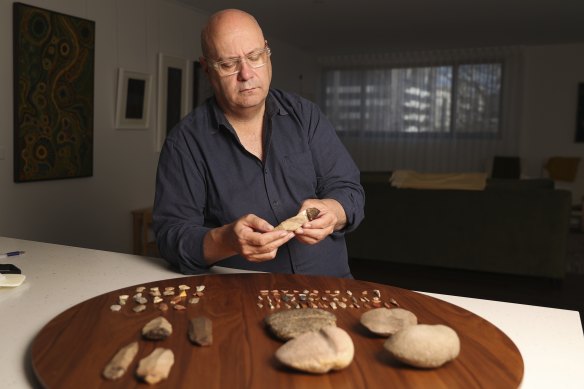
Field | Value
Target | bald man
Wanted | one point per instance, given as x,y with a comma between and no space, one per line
246,160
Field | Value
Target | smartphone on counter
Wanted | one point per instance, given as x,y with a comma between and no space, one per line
8,268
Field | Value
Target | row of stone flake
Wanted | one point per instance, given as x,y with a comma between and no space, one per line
158,298
313,299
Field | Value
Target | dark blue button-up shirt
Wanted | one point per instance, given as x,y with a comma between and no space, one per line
206,179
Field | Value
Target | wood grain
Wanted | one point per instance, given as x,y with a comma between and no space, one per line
73,348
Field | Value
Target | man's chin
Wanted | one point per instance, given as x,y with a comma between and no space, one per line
251,99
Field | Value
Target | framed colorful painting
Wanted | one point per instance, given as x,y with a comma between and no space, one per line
53,94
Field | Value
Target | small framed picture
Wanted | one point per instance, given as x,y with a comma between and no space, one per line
133,100
174,93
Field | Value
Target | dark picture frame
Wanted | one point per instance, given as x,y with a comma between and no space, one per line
580,115
133,100
53,94
174,93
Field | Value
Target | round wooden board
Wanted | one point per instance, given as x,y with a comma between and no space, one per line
73,348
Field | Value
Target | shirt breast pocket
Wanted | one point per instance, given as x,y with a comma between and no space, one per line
300,174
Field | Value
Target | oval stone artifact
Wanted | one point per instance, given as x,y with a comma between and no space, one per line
330,348
291,323
424,345
385,322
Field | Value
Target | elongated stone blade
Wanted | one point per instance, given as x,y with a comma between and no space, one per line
201,331
120,362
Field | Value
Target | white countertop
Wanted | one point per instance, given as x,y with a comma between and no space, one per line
550,340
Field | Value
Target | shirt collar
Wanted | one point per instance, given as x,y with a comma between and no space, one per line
274,107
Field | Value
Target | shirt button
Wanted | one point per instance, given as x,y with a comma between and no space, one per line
275,202
266,172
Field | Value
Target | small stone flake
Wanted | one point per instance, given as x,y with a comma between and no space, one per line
116,307
155,293
139,308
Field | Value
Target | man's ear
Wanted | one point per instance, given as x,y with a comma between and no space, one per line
204,64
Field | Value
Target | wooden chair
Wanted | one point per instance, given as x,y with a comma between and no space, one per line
144,241
564,170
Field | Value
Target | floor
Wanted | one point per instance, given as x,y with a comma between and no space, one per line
565,294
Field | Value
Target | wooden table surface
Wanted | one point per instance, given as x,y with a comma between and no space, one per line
73,348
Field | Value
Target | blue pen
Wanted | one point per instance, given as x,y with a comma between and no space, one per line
11,254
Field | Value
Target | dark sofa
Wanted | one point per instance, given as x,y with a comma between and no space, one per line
512,226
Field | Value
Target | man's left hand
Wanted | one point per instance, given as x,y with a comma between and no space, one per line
331,218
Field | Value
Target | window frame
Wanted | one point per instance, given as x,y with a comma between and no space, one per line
452,134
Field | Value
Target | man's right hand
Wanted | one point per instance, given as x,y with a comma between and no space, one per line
249,236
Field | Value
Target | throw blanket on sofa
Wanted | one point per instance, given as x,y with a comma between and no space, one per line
415,180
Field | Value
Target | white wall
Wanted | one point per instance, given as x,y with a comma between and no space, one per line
95,212
551,77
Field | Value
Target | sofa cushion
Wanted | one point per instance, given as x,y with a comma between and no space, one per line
525,184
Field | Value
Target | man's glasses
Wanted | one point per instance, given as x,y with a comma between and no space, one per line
255,59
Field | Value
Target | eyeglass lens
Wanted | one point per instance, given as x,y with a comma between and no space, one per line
255,59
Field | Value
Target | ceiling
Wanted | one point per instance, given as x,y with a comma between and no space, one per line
372,25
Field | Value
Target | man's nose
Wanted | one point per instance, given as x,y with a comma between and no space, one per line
246,72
